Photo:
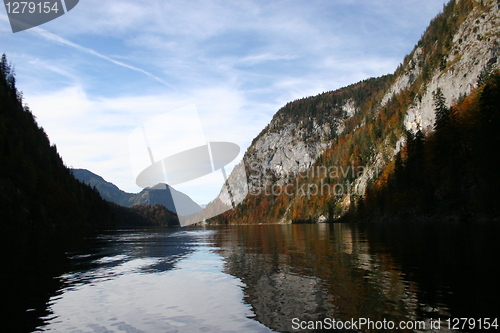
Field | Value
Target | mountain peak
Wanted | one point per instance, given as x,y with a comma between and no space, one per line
159,186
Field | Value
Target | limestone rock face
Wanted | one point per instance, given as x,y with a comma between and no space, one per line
280,154
476,47
295,139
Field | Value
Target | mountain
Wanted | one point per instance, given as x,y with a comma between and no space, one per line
165,195
319,155
162,194
108,190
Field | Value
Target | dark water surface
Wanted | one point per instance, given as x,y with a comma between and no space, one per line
259,278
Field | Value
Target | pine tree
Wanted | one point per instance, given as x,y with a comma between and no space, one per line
442,111
4,65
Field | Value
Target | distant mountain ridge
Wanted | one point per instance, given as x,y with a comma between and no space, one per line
159,194
108,191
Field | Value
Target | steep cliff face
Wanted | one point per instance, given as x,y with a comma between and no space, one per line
293,147
473,52
461,61
302,130
363,126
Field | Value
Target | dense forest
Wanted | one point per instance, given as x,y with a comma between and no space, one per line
450,173
143,216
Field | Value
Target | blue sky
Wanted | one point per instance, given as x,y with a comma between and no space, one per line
93,75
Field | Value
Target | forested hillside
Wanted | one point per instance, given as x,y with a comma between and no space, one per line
451,172
331,148
38,193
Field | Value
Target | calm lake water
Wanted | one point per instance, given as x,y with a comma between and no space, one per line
259,278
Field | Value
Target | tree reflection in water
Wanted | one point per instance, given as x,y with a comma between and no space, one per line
345,271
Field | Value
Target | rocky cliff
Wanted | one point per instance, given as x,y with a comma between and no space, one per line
462,58
363,126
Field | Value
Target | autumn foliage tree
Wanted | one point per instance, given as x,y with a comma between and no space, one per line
451,173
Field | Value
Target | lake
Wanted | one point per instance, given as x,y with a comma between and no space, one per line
267,278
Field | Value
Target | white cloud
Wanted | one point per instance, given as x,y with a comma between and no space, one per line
94,133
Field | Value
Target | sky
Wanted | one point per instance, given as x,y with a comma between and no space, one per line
93,76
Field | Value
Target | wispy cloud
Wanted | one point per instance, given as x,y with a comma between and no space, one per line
57,39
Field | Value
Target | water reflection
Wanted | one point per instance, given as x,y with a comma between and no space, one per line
28,270
259,278
453,264
121,252
150,281
339,271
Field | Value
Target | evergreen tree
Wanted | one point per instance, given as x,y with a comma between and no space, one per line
442,111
